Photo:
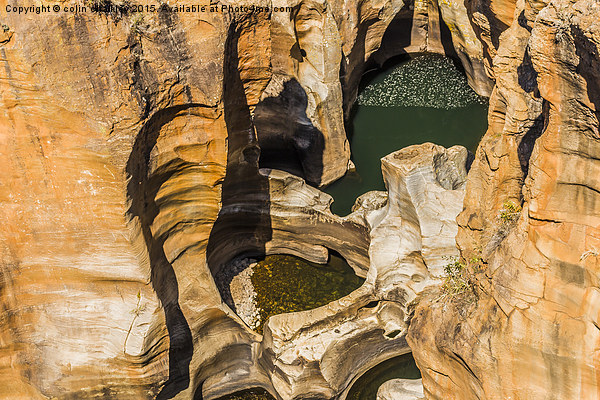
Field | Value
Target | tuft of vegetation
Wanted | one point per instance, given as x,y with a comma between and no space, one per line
5,28
457,280
509,212
460,282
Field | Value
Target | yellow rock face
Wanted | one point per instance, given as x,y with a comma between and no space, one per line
136,153
533,333
117,131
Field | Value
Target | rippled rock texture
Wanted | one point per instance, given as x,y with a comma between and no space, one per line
309,351
131,174
531,213
142,152
121,135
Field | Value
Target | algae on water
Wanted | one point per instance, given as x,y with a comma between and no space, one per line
426,80
286,283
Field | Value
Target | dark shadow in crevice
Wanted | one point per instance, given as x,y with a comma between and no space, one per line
397,36
588,67
243,226
448,43
394,42
469,161
522,20
249,394
527,143
224,275
527,76
142,189
350,77
287,138
496,25
367,385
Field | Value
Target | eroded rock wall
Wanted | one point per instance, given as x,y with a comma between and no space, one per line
124,135
132,153
533,332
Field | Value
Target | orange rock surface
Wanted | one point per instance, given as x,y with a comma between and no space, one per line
533,333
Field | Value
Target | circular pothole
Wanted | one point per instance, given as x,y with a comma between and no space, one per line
258,289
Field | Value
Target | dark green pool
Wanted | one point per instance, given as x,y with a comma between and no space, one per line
365,387
424,99
249,394
286,283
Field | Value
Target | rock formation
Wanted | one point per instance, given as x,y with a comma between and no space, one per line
401,389
311,358
143,151
128,137
531,213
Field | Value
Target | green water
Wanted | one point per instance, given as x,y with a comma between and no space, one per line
424,99
365,387
286,283
249,394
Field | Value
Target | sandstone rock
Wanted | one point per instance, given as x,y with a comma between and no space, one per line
370,201
115,130
131,175
533,331
308,350
401,389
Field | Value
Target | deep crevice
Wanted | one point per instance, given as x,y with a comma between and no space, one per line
142,189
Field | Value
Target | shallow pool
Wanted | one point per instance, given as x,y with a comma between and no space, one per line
249,394
285,283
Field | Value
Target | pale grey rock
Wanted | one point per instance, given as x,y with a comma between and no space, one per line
308,351
401,389
370,201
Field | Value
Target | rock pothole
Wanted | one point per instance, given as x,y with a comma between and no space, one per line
258,289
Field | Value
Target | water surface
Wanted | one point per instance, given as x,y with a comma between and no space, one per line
249,394
424,99
285,283
365,387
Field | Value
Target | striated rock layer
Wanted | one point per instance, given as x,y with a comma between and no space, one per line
532,214
143,151
131,174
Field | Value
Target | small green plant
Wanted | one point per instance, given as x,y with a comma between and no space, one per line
136,23
460,281
477,263
456,281
509,212
5,28
137,311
